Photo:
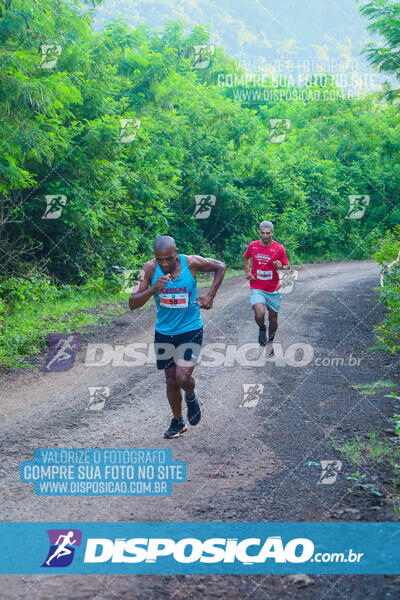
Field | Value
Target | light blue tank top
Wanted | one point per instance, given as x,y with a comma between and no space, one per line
176,310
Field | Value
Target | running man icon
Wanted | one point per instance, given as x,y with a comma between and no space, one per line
62,351
62,542
61,548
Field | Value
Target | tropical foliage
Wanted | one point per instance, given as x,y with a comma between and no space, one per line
107,137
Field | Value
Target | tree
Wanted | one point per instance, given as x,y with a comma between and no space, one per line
385,20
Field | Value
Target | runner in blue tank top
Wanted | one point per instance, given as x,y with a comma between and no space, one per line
171,278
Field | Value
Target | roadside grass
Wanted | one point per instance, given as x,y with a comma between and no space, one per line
377,450
68,310
359,451
371,452
373,388
23,332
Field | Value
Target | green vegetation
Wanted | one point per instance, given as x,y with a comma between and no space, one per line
264,29
36,308
373,388
388,332
61,136
368,453
396,421
384,16
385,19
358,484
358,451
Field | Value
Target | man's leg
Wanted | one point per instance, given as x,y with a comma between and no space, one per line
178,425
174,393
273,324
186,356
259,314
185,380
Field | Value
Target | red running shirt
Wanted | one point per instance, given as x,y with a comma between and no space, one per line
263,257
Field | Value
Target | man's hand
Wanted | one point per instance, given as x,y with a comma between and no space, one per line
205,301
277,264
161,282
199,264
250,276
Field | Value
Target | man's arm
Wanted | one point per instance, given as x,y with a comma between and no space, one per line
198,264
247,268
283,263
278,265
142,290
247,264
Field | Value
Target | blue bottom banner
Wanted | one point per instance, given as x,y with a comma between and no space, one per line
198,548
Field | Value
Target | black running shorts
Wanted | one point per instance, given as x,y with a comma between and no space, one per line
169,348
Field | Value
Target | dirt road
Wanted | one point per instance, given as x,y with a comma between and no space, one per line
244,463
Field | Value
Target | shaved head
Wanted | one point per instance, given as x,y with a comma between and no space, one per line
163,242
166,253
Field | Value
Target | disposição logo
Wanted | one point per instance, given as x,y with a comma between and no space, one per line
62,547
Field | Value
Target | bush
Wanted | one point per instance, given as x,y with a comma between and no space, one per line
17,293
388,332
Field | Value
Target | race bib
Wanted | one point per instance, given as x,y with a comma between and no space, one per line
174,300
264,275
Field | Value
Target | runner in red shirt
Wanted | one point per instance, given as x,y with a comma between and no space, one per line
267,258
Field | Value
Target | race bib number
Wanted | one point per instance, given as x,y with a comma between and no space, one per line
174,300
264,275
